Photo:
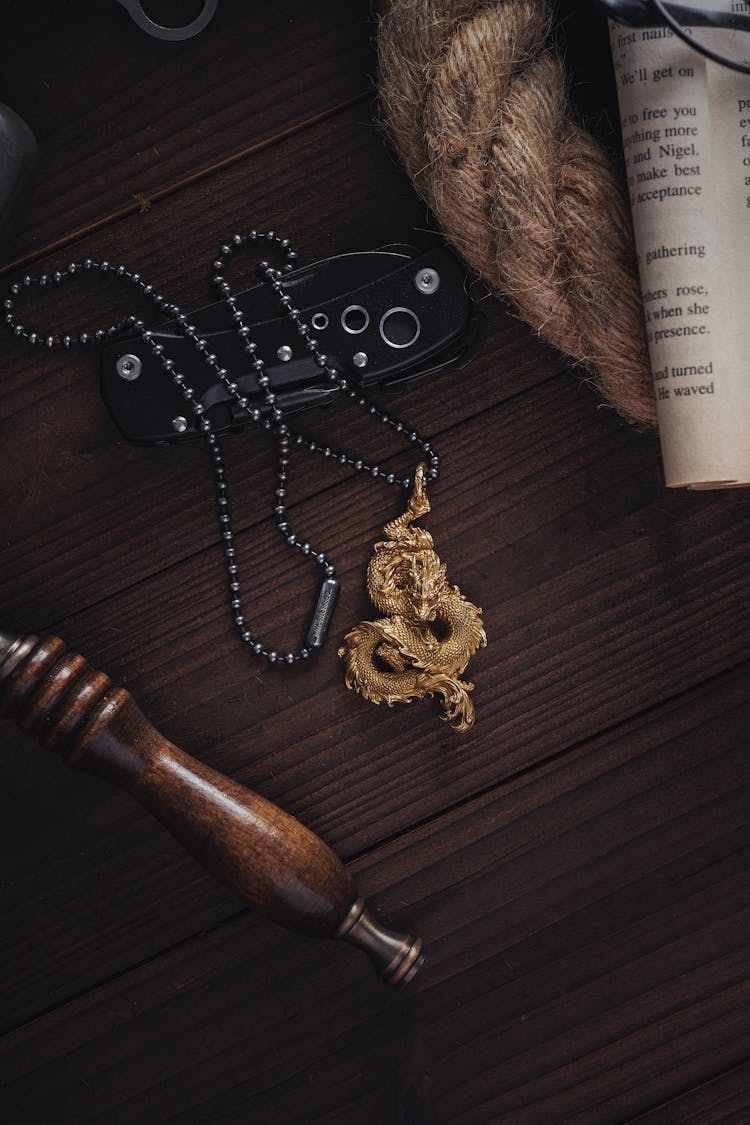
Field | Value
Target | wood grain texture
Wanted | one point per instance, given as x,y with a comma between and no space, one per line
569,654
724,1099
587,926
579,861
117,112
71,470
275,864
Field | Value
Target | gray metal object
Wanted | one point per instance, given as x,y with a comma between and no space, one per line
329,591
359,359
427,281
134,8
129,367
19,156
354,319
399,327
397,958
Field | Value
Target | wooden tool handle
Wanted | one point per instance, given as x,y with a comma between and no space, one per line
282,869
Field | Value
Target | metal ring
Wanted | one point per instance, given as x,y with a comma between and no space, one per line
409,312
319,321
351,309
134,8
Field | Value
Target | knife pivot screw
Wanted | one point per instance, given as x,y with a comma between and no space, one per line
284,353
360,359
129,367
179,424
427,281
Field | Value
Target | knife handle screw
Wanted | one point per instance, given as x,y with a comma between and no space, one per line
129,367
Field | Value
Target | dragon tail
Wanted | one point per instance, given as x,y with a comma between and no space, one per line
458,708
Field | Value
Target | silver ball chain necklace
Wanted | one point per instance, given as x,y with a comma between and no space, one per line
274,420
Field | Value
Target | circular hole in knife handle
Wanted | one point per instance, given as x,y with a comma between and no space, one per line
354,319
282,869
400,328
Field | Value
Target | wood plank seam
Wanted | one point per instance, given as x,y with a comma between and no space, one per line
333,487
25,260
723,1073
538,769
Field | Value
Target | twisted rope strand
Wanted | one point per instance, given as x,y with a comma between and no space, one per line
474,96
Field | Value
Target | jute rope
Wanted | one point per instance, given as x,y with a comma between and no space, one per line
474,96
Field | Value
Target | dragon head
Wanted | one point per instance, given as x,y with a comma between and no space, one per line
417,579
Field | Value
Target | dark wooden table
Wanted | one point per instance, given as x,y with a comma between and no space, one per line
578,864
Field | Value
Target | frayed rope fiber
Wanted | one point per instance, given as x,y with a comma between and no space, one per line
474,96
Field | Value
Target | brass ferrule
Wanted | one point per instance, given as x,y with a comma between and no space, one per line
397,957
14,648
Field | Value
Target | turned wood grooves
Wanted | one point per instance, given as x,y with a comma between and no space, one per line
580,865
278,866
55,695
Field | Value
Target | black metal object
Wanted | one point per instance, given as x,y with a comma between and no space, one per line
683,20
135,10
19,157
384,318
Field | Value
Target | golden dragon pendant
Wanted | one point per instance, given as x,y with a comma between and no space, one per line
430,630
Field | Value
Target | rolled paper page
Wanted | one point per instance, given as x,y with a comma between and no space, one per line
686,138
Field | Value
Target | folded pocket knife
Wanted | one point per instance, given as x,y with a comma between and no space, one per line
384,318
